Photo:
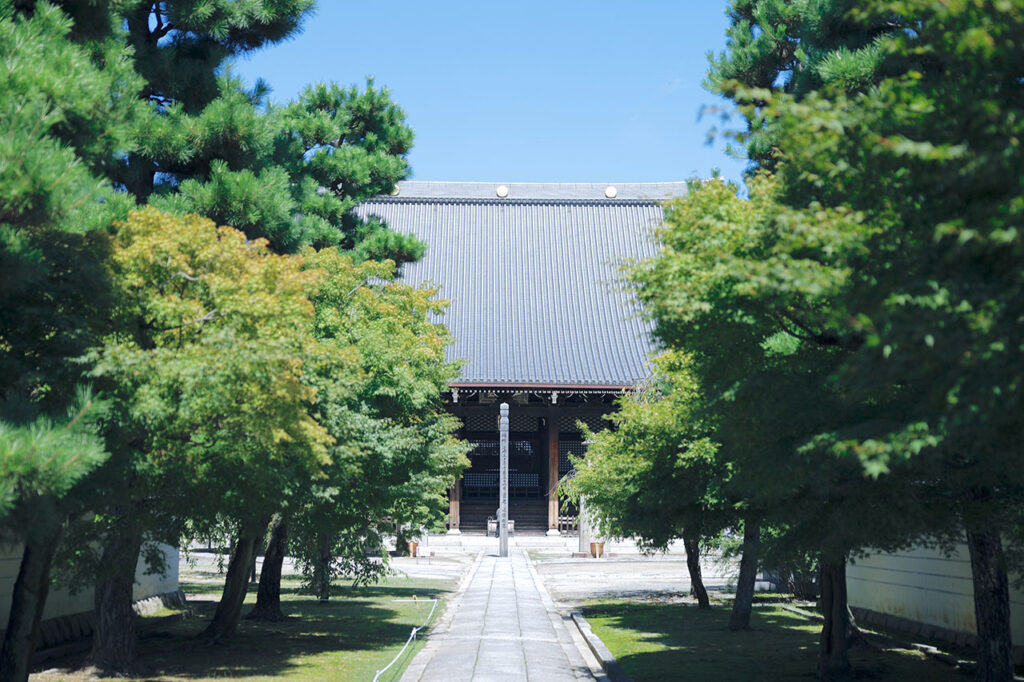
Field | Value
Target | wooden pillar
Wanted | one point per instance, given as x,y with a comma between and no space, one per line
553,473
454,496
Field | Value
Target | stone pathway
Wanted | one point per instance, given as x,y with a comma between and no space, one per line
502,627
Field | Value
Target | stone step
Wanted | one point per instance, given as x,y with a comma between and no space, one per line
529,515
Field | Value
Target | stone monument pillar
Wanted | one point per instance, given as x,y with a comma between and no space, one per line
584,525
503,482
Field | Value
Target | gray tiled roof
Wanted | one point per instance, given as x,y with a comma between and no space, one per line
532,278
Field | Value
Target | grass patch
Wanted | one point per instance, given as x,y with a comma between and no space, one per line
675,641
349,637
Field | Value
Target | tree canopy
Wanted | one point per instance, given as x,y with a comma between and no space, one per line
67,102
203,341
854,326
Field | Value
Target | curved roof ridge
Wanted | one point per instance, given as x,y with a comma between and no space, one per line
651,191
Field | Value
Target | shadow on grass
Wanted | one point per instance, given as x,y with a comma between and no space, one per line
392,589
676,641
268,649
348,637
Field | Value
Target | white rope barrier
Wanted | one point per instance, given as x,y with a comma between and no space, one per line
412,636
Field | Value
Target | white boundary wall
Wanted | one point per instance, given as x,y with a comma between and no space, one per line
60,602
923,585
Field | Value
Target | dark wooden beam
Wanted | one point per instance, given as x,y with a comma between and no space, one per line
534,410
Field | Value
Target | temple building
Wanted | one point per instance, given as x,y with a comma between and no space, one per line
540,318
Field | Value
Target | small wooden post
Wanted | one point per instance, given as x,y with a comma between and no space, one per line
503,482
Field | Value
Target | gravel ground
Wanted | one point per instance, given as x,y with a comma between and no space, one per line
570,581
207,567
573,581
448,567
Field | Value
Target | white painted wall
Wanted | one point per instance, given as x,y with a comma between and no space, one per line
60,602
924,585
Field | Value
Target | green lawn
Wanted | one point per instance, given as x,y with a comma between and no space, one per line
348,638
679,641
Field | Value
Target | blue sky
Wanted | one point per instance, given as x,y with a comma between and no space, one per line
559,91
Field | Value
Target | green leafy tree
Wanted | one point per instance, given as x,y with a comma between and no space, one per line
210,145
205,371
379,374
40,462
207,144
185,136
657,476
740,288
926,163
180,47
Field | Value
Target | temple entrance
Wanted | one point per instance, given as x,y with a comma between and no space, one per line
479,486
480,481
542,435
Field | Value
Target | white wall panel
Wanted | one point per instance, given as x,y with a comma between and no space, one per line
923,585
60,602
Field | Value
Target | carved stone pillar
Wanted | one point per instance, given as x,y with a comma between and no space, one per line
552,492
454,496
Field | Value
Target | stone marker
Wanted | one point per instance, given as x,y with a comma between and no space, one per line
503,483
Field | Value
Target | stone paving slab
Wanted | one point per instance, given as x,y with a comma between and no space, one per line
502,626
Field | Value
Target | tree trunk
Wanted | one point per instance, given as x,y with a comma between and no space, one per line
991,606
323,567
692,545
113,639
29,596
837,631
744,601
268,598
236,585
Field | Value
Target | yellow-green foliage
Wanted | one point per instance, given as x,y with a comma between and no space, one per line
209,359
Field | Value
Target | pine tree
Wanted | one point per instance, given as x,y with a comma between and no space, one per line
115,105
307,164
67,102
794,47
207,144
211,145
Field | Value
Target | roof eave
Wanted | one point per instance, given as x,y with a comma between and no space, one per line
513,388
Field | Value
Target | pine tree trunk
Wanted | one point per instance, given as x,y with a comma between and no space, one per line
991,606
692,545
268,598
837,631
236,585
113,639
29,596
744,601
